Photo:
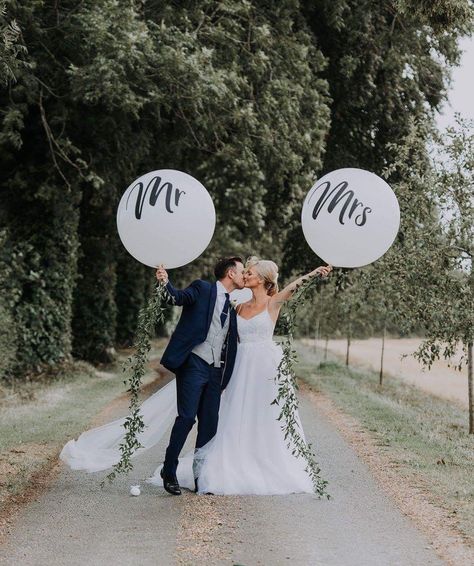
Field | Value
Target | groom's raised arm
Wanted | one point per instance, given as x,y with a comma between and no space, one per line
180,297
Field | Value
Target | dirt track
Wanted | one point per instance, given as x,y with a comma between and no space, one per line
441,380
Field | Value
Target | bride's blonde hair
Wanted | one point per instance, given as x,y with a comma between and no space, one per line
267,270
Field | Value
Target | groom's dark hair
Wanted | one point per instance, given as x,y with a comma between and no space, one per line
224,264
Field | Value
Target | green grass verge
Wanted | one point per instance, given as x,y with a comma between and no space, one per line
36,419
427,437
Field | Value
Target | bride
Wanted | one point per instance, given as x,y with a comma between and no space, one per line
248,454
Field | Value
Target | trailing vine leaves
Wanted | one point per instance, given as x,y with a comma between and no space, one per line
151,314
287,387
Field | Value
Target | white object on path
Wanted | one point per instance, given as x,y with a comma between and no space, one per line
135,490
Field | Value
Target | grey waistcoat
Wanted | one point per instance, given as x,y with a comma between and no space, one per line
211,349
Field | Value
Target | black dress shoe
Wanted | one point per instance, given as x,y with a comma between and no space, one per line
170,483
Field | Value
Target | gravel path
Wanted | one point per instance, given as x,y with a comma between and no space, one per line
77,523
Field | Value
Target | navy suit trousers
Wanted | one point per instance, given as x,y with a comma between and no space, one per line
199,394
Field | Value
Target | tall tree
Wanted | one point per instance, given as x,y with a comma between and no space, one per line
39,195
388,64
120,87
448,311
225,105
118,99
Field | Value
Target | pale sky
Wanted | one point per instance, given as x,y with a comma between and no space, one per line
461,96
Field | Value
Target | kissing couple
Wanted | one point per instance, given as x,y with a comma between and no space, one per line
226,367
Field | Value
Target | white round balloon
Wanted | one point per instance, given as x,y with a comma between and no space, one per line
350,217
166,217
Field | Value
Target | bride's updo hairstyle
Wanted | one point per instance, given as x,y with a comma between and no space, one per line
267,270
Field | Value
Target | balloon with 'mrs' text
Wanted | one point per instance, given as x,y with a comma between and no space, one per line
350,217
166,217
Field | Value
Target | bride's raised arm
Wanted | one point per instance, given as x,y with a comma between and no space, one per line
282,296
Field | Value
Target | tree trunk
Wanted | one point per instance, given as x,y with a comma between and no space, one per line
326,349
130,296
348,345
381,356
316,335
95,313
471,388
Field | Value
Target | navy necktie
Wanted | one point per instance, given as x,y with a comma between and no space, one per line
225,310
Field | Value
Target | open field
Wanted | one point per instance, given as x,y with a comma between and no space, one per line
441,380
425,437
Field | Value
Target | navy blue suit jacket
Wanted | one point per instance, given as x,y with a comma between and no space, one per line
198,302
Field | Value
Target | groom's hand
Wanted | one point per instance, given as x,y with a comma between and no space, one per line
162,275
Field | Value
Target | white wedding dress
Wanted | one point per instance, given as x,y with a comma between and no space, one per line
248,454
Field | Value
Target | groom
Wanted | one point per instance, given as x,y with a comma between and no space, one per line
201,352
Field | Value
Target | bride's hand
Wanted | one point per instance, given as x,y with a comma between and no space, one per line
323,271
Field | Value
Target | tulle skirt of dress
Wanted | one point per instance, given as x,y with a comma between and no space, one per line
249,454
99,448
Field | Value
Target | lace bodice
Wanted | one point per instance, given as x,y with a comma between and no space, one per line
259,328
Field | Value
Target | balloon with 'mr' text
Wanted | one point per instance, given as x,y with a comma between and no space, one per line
166,217
350,217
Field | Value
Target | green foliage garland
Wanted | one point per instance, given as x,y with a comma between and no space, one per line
287,387
151,314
